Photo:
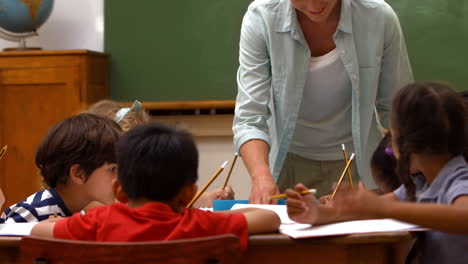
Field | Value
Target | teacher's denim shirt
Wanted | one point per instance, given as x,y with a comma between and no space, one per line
274,59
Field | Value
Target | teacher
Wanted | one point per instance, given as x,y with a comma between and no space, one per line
314,74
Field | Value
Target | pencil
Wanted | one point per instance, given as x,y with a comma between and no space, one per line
230,171
3,151
345,154
284,195
207,185
343,174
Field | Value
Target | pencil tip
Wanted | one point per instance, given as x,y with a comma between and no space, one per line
352,156
343,146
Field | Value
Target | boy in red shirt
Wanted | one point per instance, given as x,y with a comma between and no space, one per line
156,180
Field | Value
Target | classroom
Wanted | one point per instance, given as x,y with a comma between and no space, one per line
260,95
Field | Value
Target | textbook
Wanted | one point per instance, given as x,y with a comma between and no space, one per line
296,230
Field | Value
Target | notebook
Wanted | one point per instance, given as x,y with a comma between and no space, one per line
298,230
16,229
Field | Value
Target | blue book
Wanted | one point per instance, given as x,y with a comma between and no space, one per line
222,205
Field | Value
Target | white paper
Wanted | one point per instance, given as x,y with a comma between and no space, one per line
280,210
297,230
17,229
210,209
349,227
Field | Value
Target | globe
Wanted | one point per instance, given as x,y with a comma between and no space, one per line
21,18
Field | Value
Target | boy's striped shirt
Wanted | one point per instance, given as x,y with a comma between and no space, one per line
36,207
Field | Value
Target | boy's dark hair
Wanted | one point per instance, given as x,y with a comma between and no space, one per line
85,139
428,118
156,162
385,164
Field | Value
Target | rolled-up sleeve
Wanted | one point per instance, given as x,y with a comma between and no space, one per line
253,81
396,69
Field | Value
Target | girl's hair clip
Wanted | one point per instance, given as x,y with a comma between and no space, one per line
124,111
389,151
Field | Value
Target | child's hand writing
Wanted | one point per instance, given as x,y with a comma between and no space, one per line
301,208
223,194
206,199
325,200
357,203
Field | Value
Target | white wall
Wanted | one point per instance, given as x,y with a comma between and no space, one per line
73,24
213,152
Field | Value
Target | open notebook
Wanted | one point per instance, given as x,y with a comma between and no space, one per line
296,230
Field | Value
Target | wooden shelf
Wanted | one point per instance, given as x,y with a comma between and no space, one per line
185,105
201,125
28,53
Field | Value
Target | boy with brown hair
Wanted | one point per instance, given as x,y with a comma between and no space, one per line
77,162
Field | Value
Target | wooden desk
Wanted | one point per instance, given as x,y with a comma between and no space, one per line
9,250
277,248
360,248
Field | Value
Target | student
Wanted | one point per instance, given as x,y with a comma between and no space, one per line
135,115
383,166
428,126
77,162
156,180
126,117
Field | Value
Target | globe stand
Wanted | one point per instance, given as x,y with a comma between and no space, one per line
20,38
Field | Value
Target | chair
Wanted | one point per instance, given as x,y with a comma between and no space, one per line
223,249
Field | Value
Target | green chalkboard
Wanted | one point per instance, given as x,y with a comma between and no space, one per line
184,50
175,50
436,33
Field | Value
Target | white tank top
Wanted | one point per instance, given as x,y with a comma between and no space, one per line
324,121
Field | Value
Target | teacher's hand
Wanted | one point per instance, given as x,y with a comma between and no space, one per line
262,189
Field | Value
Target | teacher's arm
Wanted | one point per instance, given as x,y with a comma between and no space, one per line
255,156
251,131
395,68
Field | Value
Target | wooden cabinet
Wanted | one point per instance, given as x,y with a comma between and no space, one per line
37,90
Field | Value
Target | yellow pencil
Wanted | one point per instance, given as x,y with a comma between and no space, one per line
207,185
343,174
345,154
230,171
2,153
284,195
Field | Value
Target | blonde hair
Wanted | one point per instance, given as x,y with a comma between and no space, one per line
109,109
